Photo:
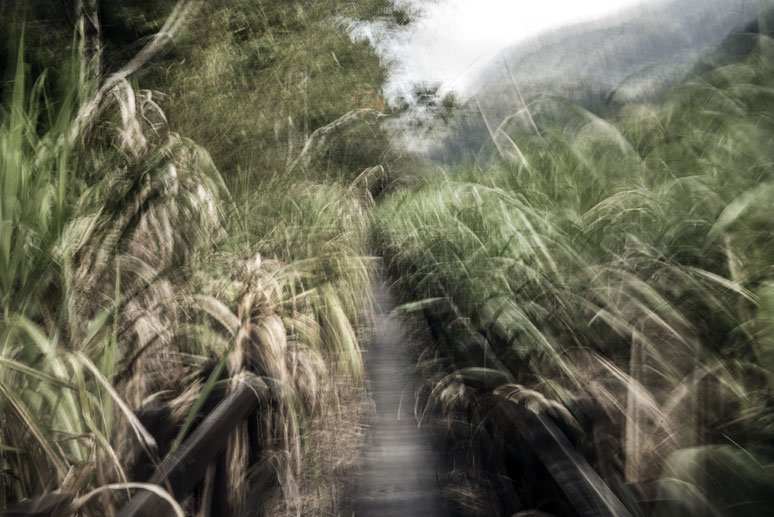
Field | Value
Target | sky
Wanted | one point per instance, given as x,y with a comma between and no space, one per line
453,39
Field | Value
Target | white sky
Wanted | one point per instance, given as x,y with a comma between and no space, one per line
455,38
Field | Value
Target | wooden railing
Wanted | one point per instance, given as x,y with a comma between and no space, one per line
179,472
584,489
182,469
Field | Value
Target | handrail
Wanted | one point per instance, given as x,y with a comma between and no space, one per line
584,489
182,469
179,472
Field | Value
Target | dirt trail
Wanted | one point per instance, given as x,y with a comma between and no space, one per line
398,468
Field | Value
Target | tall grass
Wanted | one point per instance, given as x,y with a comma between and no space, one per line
622,265
128,270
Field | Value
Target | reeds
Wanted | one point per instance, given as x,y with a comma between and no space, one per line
620,267
129,270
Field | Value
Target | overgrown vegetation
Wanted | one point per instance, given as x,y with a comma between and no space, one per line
186,205
621,267
136,263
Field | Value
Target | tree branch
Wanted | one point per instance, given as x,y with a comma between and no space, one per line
166,34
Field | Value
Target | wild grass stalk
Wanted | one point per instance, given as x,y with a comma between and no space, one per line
127,267
621,263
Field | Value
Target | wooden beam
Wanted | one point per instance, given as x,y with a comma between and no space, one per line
582,486
182,469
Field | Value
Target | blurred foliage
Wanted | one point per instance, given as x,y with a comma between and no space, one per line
622,266
634,56
260,77
135,257
252,79
619,263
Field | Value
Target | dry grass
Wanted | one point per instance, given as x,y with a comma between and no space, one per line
149,271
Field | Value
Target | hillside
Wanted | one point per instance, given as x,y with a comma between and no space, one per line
633,56
635,51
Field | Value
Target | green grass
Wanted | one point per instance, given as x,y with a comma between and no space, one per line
625,261
129,268
253,80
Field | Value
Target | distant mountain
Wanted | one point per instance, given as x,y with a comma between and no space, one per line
632,56
621,58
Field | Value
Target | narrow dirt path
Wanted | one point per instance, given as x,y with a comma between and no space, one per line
398,469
